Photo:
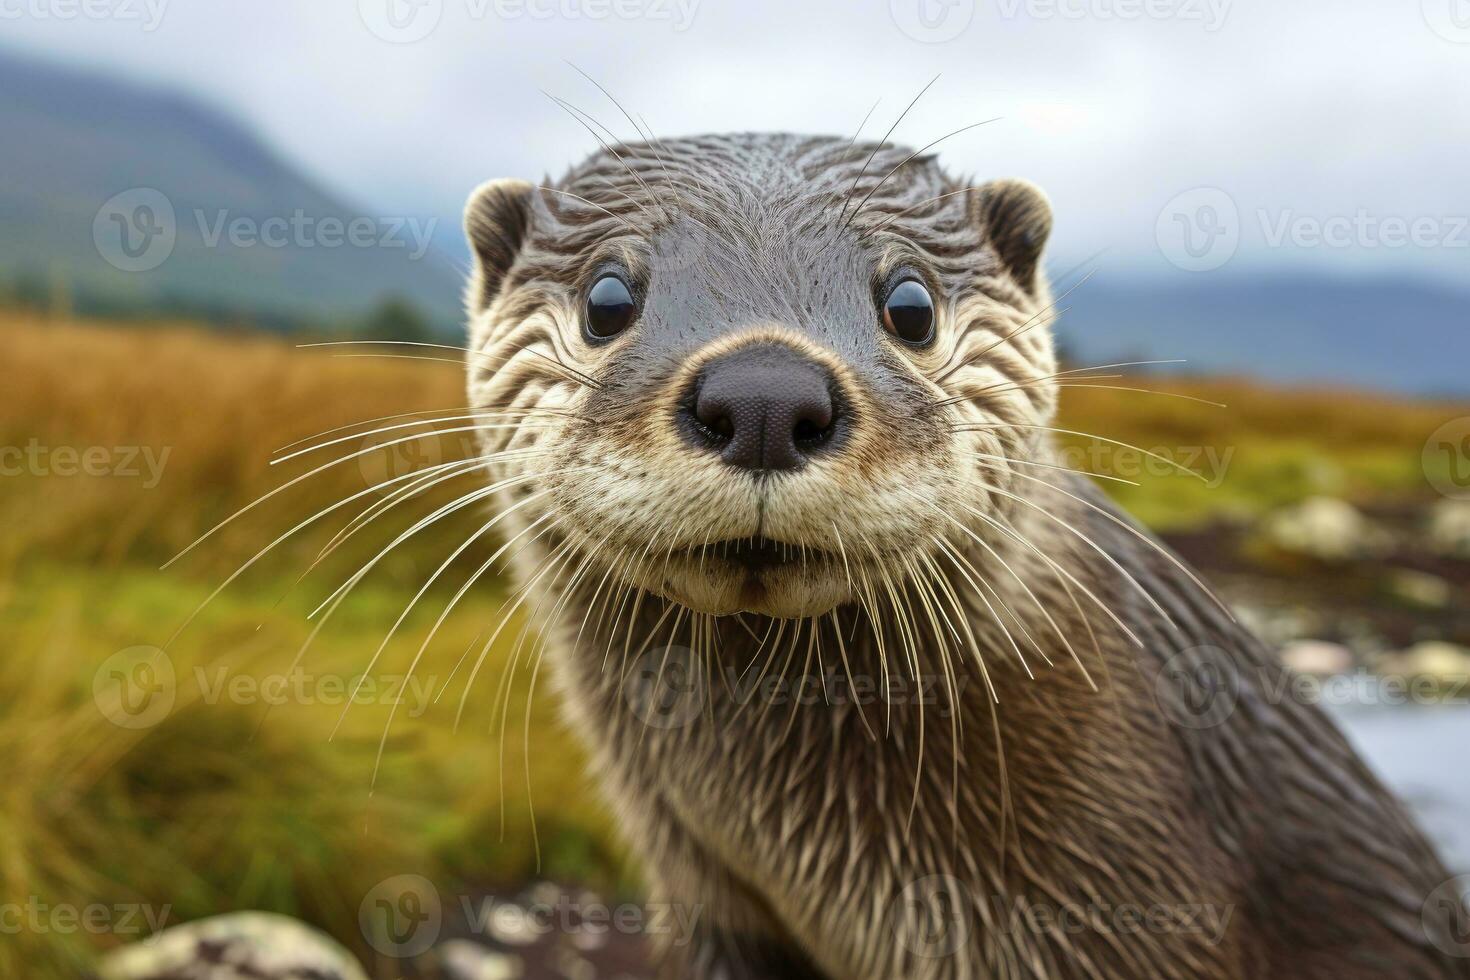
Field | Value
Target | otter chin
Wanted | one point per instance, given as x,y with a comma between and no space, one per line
756,575
812,379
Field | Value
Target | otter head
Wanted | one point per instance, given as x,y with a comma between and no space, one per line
764,374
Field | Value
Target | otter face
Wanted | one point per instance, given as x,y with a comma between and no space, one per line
764,374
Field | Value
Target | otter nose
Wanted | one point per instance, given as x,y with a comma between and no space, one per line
763,407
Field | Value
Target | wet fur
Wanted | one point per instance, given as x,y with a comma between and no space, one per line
831,838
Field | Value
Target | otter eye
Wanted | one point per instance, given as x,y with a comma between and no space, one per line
610,308
908,313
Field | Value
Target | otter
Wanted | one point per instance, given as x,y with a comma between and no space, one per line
870,678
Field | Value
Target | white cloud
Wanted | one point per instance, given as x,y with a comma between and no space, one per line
1311,108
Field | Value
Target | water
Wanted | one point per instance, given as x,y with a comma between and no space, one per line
1423,754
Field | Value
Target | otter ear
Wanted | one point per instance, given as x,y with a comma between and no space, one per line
1016,218
495,222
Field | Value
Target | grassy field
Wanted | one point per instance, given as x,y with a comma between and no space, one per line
133,442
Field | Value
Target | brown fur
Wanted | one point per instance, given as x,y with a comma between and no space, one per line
1067,797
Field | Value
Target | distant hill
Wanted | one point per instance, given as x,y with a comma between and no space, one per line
1406,336
74,140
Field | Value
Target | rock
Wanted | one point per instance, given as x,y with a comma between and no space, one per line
1444,661
1317,657
241,945
1449,528
1419,588
463,959
1325,528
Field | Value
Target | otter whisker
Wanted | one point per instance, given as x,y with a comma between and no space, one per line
1161,550
1030,322
555,190
432,412
444,614
868,232
445,510
291,532
1004,528
1013,461
878,146
648,137
984,426
1000,389
305,476
951,683
1147,595
847,671
1152,391
427,480
392,630
551,563
1036,601
579,116
906,160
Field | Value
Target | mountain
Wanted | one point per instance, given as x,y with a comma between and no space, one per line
144,199
1407,336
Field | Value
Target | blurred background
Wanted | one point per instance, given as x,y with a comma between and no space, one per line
1268,198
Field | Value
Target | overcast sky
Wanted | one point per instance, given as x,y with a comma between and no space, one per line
1348,119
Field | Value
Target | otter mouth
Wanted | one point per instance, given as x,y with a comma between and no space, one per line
758,554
